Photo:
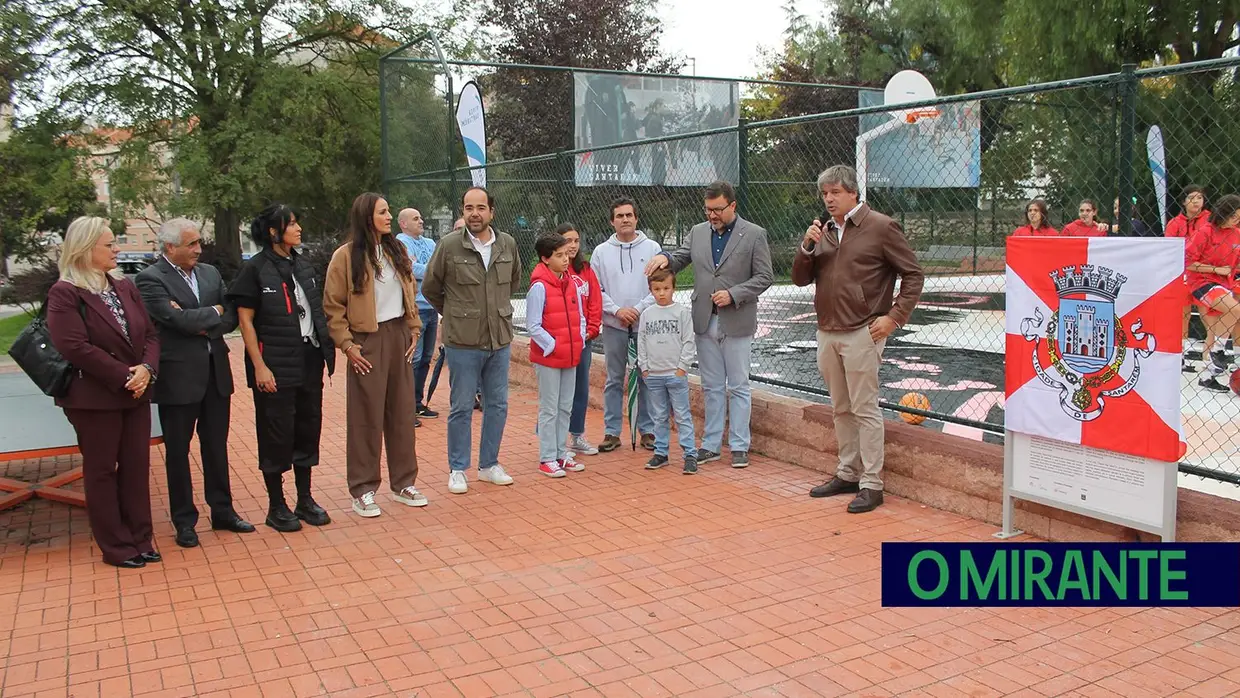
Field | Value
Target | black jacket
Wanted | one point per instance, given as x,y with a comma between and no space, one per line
186,334
265,283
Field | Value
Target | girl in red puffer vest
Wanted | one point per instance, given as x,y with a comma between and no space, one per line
592,305
557,330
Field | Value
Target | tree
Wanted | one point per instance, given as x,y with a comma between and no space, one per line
43,186
531,111
187,76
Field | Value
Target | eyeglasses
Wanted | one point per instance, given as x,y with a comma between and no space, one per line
718,209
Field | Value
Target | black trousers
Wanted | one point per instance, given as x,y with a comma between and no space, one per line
211,417
290,420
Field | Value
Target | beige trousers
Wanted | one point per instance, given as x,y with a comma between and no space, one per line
849,364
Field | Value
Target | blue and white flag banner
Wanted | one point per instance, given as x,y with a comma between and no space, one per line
472,122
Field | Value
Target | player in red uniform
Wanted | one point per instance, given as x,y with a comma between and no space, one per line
1037,222
1192,218
1087,226
1193,215
1213,254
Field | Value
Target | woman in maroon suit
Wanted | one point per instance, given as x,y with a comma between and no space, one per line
98,322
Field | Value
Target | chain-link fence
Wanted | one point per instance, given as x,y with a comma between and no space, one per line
958,182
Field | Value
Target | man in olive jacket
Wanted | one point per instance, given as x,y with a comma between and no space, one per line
470,280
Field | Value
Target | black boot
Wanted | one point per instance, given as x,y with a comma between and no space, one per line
307,509
278,515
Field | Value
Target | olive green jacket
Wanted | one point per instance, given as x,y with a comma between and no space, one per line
476,302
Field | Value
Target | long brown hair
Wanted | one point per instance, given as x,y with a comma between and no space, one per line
363,238
1041,206
578,263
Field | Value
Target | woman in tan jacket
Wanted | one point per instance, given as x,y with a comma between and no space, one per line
370,298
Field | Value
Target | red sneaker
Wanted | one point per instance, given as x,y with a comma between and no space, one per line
551,469
570,464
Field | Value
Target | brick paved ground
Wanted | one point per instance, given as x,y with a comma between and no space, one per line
610,582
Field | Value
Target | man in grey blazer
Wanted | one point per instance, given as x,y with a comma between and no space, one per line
186,301
732,267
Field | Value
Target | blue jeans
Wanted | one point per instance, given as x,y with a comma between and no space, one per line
581,394
671,392
467,368
615,392
425,352
723,363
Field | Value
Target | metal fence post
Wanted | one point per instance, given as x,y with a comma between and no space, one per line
1127,132
562,167
977,205
383,127
452,202
742,162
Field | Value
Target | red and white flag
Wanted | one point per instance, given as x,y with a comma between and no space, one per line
1093,342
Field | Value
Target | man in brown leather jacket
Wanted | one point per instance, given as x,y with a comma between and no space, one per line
854,258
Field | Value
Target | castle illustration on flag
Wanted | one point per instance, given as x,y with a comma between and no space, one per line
1087,348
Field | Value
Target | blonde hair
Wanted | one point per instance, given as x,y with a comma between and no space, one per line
75,254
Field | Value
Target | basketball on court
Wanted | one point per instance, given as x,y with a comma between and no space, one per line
918,401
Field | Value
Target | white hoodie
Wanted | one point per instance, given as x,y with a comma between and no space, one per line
621,271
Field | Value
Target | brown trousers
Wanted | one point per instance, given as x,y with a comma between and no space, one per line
381,409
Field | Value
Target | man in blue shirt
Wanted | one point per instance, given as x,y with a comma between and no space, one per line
420,250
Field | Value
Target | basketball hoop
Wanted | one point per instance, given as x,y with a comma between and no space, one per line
912,116
905,87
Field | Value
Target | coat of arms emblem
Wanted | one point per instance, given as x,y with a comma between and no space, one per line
1088,354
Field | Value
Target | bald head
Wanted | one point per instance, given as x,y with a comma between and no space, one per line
410,221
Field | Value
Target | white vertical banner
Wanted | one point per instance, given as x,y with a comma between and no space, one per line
1158,167
472,122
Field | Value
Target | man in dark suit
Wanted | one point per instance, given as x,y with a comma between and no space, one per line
186,301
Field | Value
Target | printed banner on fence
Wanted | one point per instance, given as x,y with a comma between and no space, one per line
1093,342
472,121
1061,574
611,109
936,153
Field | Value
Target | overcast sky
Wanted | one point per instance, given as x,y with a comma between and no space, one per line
725,36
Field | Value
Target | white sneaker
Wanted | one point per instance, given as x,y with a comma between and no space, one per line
578,444
410,497
365,506
457,484
494,475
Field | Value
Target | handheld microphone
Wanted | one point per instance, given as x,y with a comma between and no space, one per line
822,220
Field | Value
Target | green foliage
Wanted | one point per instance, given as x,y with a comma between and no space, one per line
531,112
1041,40
43,185
243,102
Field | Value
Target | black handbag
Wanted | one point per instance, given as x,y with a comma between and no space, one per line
34,352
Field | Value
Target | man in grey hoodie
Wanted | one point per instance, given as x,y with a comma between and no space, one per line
620,263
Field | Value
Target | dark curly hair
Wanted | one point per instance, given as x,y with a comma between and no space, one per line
275,217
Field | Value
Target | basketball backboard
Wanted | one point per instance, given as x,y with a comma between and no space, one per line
905,87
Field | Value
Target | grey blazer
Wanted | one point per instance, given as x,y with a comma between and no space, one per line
744,271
